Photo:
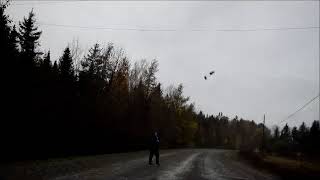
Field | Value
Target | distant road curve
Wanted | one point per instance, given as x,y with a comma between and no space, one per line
189,164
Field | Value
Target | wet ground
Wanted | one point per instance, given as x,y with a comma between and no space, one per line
189,164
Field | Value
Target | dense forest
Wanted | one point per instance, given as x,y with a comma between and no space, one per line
294,141
103,103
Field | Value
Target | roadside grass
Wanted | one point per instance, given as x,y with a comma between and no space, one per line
293,163
286,168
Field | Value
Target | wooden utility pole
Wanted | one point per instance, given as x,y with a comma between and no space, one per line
264,121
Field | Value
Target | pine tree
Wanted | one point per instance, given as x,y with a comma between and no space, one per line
295,138
276,133
29,39
5,28
314,138
285,132
8,38
91,61
303,132
150,78
66,66
315,130
55,68
46,64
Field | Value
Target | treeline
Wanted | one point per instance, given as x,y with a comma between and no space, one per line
296,141
220,131
98,103
105,105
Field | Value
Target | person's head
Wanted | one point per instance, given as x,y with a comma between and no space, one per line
156,133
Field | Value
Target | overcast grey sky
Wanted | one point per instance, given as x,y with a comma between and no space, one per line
266,71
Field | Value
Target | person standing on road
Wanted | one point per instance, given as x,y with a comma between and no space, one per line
154,148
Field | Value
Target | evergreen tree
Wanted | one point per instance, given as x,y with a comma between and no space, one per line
8,41
314,138
47,62
29,39
295,138
285,133
150,79
91,61
315,130
276,133
55,69
66,66
303,132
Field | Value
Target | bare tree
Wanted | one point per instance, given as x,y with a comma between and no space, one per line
77,53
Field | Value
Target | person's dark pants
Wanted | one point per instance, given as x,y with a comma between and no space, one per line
156,153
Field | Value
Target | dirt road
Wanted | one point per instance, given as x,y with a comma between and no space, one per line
189,164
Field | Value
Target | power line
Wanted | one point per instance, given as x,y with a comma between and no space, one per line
299,109
38,3
270,29
105,28
174,30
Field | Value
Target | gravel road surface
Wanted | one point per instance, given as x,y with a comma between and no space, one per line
188,164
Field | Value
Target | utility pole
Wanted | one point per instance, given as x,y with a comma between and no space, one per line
264,121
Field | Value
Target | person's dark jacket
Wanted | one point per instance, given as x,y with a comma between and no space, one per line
154,144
